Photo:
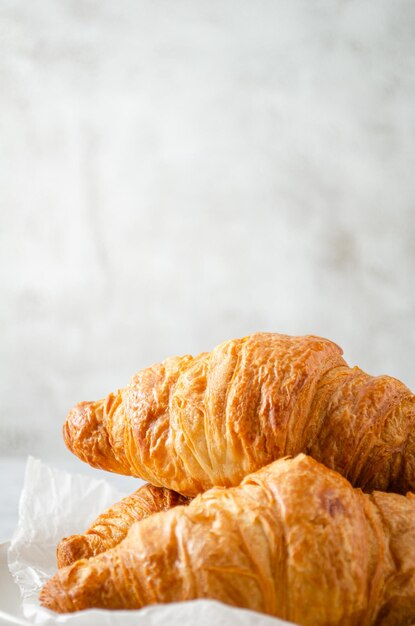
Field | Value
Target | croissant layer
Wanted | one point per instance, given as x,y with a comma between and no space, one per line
294,540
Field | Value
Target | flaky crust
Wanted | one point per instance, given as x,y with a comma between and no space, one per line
112,526
294,540
190,423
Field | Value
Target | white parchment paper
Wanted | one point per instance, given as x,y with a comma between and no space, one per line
55,504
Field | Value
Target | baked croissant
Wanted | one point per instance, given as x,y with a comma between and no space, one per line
294,540
112,525
192,423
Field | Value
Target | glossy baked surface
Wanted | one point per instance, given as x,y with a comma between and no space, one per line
190,423
294,540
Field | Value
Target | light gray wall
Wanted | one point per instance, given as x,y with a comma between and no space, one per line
177,173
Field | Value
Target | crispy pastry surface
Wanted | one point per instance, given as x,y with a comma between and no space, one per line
294,540
190,423
112,525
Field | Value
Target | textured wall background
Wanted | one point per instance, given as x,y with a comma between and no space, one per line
174,174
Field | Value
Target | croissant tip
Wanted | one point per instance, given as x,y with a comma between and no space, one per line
85,435
79,413
76,420
52,596
71,549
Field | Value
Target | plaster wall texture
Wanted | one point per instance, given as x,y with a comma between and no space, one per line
174,174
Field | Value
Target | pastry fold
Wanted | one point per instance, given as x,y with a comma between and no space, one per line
190,423
294,540
112,525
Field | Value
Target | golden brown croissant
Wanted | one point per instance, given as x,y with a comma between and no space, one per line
191,423
294,540
112,525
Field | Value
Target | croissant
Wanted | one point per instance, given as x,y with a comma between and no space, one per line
294,540
112,525
190,423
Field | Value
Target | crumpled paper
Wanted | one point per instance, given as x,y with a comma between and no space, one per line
55,504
